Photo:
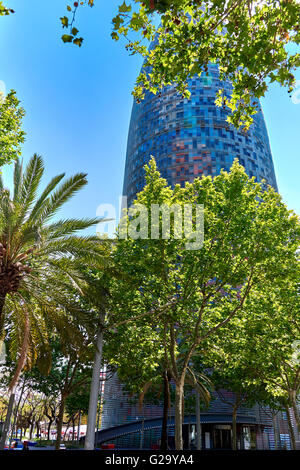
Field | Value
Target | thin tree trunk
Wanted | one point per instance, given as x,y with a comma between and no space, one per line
15,426
73,430
291,429
49,429
20,364
38,430
276,431
94,391
164,428
198,422
78,427
60,421
31,429
2,303
178,416
7,422
295,409
234,413
66,430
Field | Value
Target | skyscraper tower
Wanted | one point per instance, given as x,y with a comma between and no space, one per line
191,138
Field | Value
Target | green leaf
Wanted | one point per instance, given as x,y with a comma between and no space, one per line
67,38
124,8
78,41
64,21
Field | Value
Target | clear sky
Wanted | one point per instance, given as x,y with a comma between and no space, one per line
78,101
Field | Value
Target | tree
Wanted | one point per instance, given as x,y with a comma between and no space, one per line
5,10
272,333
227,359
77,404
50,411
11,133
136,353
189,294
38,259
248,40
71,369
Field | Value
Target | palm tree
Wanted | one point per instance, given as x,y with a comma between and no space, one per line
40,259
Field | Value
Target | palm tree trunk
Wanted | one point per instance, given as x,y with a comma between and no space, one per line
291,429
2,303
60,421
7,422
23,352
94,392
178,415
20,364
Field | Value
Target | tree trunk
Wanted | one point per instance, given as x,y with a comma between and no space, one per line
32,426
276,431
164,428
2,303
198,422
295,409
38,430
178,416
73,429
15,424
291,429
6,426
60,421
78,427
94,392
49,429
234,413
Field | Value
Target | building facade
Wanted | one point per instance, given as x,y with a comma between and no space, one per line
191,138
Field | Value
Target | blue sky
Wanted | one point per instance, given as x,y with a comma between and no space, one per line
78,101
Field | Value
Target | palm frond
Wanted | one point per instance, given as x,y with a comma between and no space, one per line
42,200
62,228
31,179
63,194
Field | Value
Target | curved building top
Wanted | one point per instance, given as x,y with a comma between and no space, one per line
190,137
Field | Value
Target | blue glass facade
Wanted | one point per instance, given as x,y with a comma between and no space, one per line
191,138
